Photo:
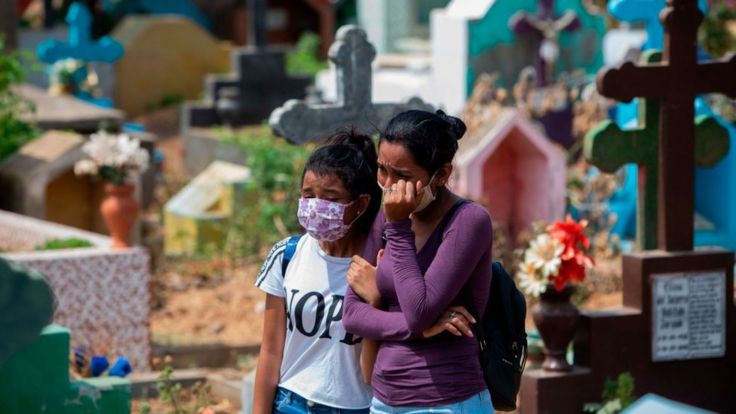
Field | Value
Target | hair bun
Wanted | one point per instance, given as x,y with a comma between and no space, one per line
455,126
361,142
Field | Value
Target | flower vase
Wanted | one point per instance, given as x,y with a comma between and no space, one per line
556,319
119,210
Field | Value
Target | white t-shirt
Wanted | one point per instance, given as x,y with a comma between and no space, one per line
321,361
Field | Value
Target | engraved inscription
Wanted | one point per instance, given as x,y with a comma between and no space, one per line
688,315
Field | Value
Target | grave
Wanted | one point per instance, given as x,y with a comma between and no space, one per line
352,54
715,186
609,148
510,166
27,360
67,112
258,84
39,181
36,380
166,57
82,47
545,29
471,37
646,12
101,294
197,218
397,26
80,44
676,332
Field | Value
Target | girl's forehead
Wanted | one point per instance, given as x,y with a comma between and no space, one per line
332,181
397,156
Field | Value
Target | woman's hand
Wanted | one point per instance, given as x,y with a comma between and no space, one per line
456,320
400,200
362,279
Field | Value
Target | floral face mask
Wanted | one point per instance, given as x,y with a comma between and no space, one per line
323,219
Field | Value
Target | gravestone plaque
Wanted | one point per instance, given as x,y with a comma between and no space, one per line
688,316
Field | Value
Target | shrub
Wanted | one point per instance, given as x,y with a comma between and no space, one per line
14,132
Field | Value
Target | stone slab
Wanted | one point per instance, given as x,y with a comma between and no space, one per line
68,113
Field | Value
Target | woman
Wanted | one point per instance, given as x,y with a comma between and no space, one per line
307,360
437,257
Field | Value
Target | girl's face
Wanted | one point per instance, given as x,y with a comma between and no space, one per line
396,163
330,187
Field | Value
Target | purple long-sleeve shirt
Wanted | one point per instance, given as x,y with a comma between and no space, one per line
415,289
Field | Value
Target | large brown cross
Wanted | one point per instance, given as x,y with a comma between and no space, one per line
677,81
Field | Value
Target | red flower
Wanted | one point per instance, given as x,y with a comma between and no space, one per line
574,260
570,234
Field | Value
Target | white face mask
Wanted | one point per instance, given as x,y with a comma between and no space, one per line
425,199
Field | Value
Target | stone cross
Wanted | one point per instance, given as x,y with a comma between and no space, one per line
80,44
609,148
352,55
677,81
546,29
257,22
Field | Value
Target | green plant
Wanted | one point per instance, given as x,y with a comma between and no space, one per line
304,58
272,192
69,243
170,392
617,395
14,132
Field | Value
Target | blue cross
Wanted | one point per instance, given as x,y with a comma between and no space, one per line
648,12
80,44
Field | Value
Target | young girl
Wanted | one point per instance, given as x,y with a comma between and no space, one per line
437,258
308,362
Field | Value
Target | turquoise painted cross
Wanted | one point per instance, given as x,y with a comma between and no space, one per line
609,148
80,44
646,11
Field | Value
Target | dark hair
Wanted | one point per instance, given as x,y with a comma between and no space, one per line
431,138
351,157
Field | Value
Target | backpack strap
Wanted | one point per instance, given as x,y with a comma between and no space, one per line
289,251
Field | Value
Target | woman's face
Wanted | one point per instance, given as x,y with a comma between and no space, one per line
330,187
396,163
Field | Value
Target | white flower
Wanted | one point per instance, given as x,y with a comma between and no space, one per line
119,151
83,167
531,280
544,254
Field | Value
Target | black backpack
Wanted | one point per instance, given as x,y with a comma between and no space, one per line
502,339
501,333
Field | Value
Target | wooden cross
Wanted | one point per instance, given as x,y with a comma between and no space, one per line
677,81
80,46
609,148
547,30
352,55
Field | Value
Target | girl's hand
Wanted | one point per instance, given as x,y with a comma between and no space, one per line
362,279
456,320
400,200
